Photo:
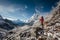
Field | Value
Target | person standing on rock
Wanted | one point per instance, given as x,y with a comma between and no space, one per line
42,24
42,21
40,31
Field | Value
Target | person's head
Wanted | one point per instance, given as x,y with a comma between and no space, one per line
42,16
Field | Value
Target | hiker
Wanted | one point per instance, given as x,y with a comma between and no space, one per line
39,31
42,21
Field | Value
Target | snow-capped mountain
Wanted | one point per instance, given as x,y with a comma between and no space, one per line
6,24
31,21
18,22
1,20
21,23
34,17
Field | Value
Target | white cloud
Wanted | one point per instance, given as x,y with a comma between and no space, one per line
26,6
37,11
5,10
10,9
1,8
42,7
24,15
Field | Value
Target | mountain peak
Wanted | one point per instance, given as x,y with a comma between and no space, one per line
1,17
34,17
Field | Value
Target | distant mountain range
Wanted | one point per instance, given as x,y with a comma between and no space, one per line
9,24
30,21
6,24
18,22
21,23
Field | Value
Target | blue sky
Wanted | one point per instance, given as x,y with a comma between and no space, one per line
24,9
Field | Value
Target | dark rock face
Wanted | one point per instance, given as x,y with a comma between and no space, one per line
6,24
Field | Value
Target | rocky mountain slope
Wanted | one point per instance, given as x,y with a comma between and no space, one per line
51,25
